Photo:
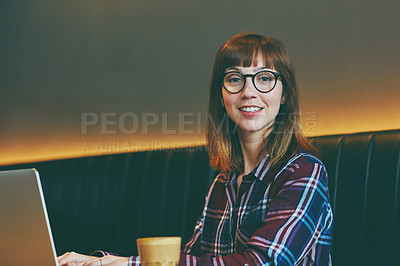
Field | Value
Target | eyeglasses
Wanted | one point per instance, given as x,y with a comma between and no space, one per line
264,81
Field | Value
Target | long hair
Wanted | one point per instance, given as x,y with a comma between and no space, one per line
285,137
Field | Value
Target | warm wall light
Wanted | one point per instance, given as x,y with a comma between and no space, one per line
61,148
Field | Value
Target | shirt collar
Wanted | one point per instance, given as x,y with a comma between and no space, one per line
259,172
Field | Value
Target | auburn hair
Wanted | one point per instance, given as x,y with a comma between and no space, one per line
285,138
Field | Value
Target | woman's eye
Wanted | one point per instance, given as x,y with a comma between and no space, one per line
265,78
233,79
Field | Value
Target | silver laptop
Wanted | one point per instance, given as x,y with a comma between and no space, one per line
25,234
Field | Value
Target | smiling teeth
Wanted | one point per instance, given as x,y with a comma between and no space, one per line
250,109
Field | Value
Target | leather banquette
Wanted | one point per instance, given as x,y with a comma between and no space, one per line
107,202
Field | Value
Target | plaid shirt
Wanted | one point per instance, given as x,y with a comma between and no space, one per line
278,217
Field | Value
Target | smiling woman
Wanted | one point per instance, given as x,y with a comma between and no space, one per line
270,203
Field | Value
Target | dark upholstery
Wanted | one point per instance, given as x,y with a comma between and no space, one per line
106,202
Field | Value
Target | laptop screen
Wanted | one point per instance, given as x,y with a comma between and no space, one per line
25,234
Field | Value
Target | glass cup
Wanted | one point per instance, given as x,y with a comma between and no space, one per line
159,251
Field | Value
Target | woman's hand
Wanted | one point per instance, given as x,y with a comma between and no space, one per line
72,258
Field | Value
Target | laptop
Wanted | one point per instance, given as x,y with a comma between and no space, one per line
25,234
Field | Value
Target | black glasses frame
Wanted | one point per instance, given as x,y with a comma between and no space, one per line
245,76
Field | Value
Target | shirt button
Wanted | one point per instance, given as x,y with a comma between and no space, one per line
246,264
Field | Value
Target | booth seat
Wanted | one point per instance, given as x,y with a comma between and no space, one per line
107,202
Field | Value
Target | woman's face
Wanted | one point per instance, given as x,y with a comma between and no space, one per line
253,111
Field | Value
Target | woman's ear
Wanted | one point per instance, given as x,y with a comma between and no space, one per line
222,102
283,99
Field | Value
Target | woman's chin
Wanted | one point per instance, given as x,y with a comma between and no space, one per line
253,130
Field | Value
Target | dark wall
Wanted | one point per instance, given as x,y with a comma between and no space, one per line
61,60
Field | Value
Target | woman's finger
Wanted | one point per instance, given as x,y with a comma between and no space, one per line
63,256
67,257
73,257
108,260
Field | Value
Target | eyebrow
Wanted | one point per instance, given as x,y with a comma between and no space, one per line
237,69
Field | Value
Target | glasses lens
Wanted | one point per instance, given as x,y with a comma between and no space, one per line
233,81
265,81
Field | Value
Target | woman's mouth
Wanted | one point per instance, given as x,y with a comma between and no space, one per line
250,109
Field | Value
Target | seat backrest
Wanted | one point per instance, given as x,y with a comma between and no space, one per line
364,184
106,202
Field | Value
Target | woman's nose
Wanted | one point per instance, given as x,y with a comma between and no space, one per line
249,91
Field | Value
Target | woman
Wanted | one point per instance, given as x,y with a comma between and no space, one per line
270,203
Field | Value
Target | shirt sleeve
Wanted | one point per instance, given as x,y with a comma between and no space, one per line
134,261
298,218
